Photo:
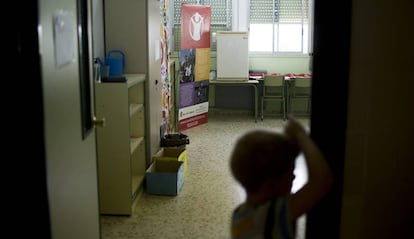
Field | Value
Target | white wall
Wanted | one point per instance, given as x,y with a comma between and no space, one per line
98,29
275,64
280,64
240,21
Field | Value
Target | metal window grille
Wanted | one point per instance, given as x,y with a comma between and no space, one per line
273,11
279,12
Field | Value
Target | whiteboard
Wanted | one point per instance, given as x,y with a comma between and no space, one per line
232,56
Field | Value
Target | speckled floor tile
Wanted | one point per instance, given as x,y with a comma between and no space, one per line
203,207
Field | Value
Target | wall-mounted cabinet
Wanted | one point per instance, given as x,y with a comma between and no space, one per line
121,143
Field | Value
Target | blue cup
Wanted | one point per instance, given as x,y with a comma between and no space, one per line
115,59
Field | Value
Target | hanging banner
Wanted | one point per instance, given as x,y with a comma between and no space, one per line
194,65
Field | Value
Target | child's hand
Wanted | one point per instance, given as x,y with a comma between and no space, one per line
294,129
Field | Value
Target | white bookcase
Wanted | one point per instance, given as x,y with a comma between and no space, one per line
121,146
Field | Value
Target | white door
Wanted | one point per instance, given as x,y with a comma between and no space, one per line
71,166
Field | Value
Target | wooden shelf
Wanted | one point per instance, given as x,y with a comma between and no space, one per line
135,108
121,143
137,181
135,142
133,79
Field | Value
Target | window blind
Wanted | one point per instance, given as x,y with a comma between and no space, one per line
293,11
262,11
274,11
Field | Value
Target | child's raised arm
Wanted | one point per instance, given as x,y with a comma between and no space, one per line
320,177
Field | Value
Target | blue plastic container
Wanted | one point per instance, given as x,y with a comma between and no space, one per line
115,59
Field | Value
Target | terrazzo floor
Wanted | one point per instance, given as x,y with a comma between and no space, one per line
203,207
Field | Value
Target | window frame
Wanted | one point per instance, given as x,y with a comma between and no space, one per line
309,30
228,27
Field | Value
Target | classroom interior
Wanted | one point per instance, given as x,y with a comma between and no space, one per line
365,135
202,209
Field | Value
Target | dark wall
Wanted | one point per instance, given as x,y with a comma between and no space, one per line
25,131
328,123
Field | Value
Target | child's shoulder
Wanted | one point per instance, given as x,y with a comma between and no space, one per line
258,219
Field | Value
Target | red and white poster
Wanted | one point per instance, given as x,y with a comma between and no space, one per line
194,65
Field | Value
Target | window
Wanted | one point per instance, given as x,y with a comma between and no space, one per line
276,26
279,26
220,20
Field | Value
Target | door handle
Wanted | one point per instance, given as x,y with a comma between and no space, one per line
98,122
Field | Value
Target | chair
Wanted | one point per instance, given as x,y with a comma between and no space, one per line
300,90
274,90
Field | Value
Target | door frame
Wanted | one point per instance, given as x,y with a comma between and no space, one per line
330,78
28,159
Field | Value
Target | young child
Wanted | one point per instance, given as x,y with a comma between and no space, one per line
263,163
